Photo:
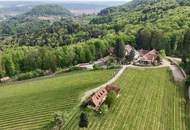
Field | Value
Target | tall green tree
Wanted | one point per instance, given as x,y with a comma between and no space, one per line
120,49
186,47
83,120
9,64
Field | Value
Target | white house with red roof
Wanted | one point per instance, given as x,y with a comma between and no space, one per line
147,57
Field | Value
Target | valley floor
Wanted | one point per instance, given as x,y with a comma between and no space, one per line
149,100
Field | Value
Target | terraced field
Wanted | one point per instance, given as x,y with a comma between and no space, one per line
29,104
149,100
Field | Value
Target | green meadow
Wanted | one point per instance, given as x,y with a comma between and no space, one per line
149,100
29,104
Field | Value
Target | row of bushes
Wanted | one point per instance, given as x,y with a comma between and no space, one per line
31,74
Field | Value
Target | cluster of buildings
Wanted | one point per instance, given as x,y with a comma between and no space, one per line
142,57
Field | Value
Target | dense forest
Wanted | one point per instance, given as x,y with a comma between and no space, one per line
148,24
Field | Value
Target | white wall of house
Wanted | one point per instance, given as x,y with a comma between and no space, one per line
136,55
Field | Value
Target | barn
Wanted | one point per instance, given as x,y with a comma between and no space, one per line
98,98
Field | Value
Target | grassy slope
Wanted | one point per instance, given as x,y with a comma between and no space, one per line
30,104
149,100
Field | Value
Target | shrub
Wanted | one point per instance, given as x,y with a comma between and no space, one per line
75,68
88,108
29,75
103,109
110,98
113,66
58,120
98,67
161,55
83,120
2,74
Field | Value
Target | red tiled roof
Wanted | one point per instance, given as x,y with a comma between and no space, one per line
151,55
98,98
142,52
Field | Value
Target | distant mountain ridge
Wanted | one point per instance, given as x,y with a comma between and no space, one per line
49,9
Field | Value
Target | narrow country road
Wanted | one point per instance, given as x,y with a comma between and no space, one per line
115,77
178,76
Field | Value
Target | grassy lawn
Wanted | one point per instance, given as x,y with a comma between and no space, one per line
29,104
149,100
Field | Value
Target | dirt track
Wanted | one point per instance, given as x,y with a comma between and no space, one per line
115,77
178,76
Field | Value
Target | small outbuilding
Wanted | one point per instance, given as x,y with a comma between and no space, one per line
5,79
98,98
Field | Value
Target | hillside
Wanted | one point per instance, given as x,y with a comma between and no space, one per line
40,17
156,24
48,10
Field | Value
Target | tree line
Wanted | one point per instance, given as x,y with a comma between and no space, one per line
23,59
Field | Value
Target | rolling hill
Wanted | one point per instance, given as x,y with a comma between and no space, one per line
161,23
49,10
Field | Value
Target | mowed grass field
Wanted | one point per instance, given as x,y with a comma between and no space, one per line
149,100
30,104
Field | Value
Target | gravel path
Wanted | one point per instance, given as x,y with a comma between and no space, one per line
178,76
165,63
115,77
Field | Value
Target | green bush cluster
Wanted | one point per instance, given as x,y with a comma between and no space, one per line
31,74
113,66
75,68
98,67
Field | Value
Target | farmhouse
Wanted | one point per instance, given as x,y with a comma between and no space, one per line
147,57
100,96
